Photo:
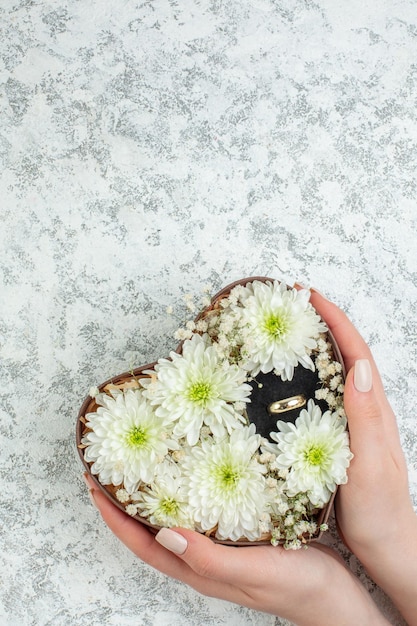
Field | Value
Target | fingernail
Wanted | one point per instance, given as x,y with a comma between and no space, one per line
91,486
92,498
88,481
171,540
314,290
362,375
300,286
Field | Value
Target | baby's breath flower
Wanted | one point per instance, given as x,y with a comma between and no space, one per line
321,394
201,326
181,334
131,509
178,455
122,495
294,544
271,483
275,536
335,382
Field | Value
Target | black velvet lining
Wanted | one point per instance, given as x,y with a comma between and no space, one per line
304,382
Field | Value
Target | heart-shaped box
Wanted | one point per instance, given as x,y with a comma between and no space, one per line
308,390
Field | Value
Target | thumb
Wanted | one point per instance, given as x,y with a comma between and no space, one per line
208,559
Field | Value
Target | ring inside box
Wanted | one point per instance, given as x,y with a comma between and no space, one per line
270,392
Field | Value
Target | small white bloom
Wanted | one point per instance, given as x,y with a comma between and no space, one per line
122,495
196,388
201,326
131,509
93,392
181,334
125,440
283,326
321,394
315,452
226,485
295,544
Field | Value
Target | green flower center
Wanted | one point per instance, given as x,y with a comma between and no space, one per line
137,437
169,506
315,455
199,392
226,476
276,325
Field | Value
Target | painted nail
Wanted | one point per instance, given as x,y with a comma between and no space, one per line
88,481
300,286
314,290
362,375
171,540
92,498
91,487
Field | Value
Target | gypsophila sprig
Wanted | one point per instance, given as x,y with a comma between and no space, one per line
174,445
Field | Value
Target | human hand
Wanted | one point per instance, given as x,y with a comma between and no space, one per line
309,587
374,512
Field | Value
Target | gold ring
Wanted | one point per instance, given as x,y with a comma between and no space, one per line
288,404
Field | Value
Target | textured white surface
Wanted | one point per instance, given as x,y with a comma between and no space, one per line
146,149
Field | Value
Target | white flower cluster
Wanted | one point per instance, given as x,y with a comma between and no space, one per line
331,376
179,447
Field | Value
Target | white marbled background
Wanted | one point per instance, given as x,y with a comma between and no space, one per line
148,148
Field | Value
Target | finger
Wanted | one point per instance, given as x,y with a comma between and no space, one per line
136,537
351,343
142,543
177,552
210,560
364,410
372,424
364,413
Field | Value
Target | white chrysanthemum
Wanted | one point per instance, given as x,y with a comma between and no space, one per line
281,328
316,452
226,485
165,502
197,387
126,441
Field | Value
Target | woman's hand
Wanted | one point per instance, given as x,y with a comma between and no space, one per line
374,515
373,510
310,587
